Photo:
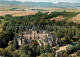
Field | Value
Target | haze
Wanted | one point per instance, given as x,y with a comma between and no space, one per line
54,1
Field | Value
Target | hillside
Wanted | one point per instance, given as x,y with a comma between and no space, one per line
75,19
41,4
27,4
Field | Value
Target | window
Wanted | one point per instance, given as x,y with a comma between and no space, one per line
38,37
30,37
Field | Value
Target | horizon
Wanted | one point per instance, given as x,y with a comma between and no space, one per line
55,1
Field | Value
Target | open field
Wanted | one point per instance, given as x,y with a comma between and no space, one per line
23,13
22,10
75,19
17,13
8,7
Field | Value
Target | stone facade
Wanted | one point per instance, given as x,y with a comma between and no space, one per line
19,42
43,36
34,35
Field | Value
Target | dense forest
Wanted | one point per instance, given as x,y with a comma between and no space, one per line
39,20
67,32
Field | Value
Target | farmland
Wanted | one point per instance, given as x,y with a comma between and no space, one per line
75,19
22,10
17,13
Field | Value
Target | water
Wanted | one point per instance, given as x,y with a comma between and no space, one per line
73,44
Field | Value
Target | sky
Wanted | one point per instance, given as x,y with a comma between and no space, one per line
54,1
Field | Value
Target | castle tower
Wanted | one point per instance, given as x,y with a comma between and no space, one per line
19,42
34,35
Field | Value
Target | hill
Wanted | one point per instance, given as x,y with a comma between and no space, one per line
28,4
41,4
75,19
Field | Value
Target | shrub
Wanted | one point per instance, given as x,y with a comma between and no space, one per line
78,53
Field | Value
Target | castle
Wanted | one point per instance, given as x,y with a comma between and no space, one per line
34,35
45,36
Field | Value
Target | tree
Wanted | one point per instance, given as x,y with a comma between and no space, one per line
8,51
60,34
43,55
79,36
54,52
5,38
50,55
71,23
4,26
78,53
1,50
15,43
25,41
70,56
70,35
1,17
24,55
54,42
78,42
60,23
34,49
42,49
74,33
78,25
24,49
62,54
17,29
10,43
7,17
48,48
34,46
16,53
0,21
